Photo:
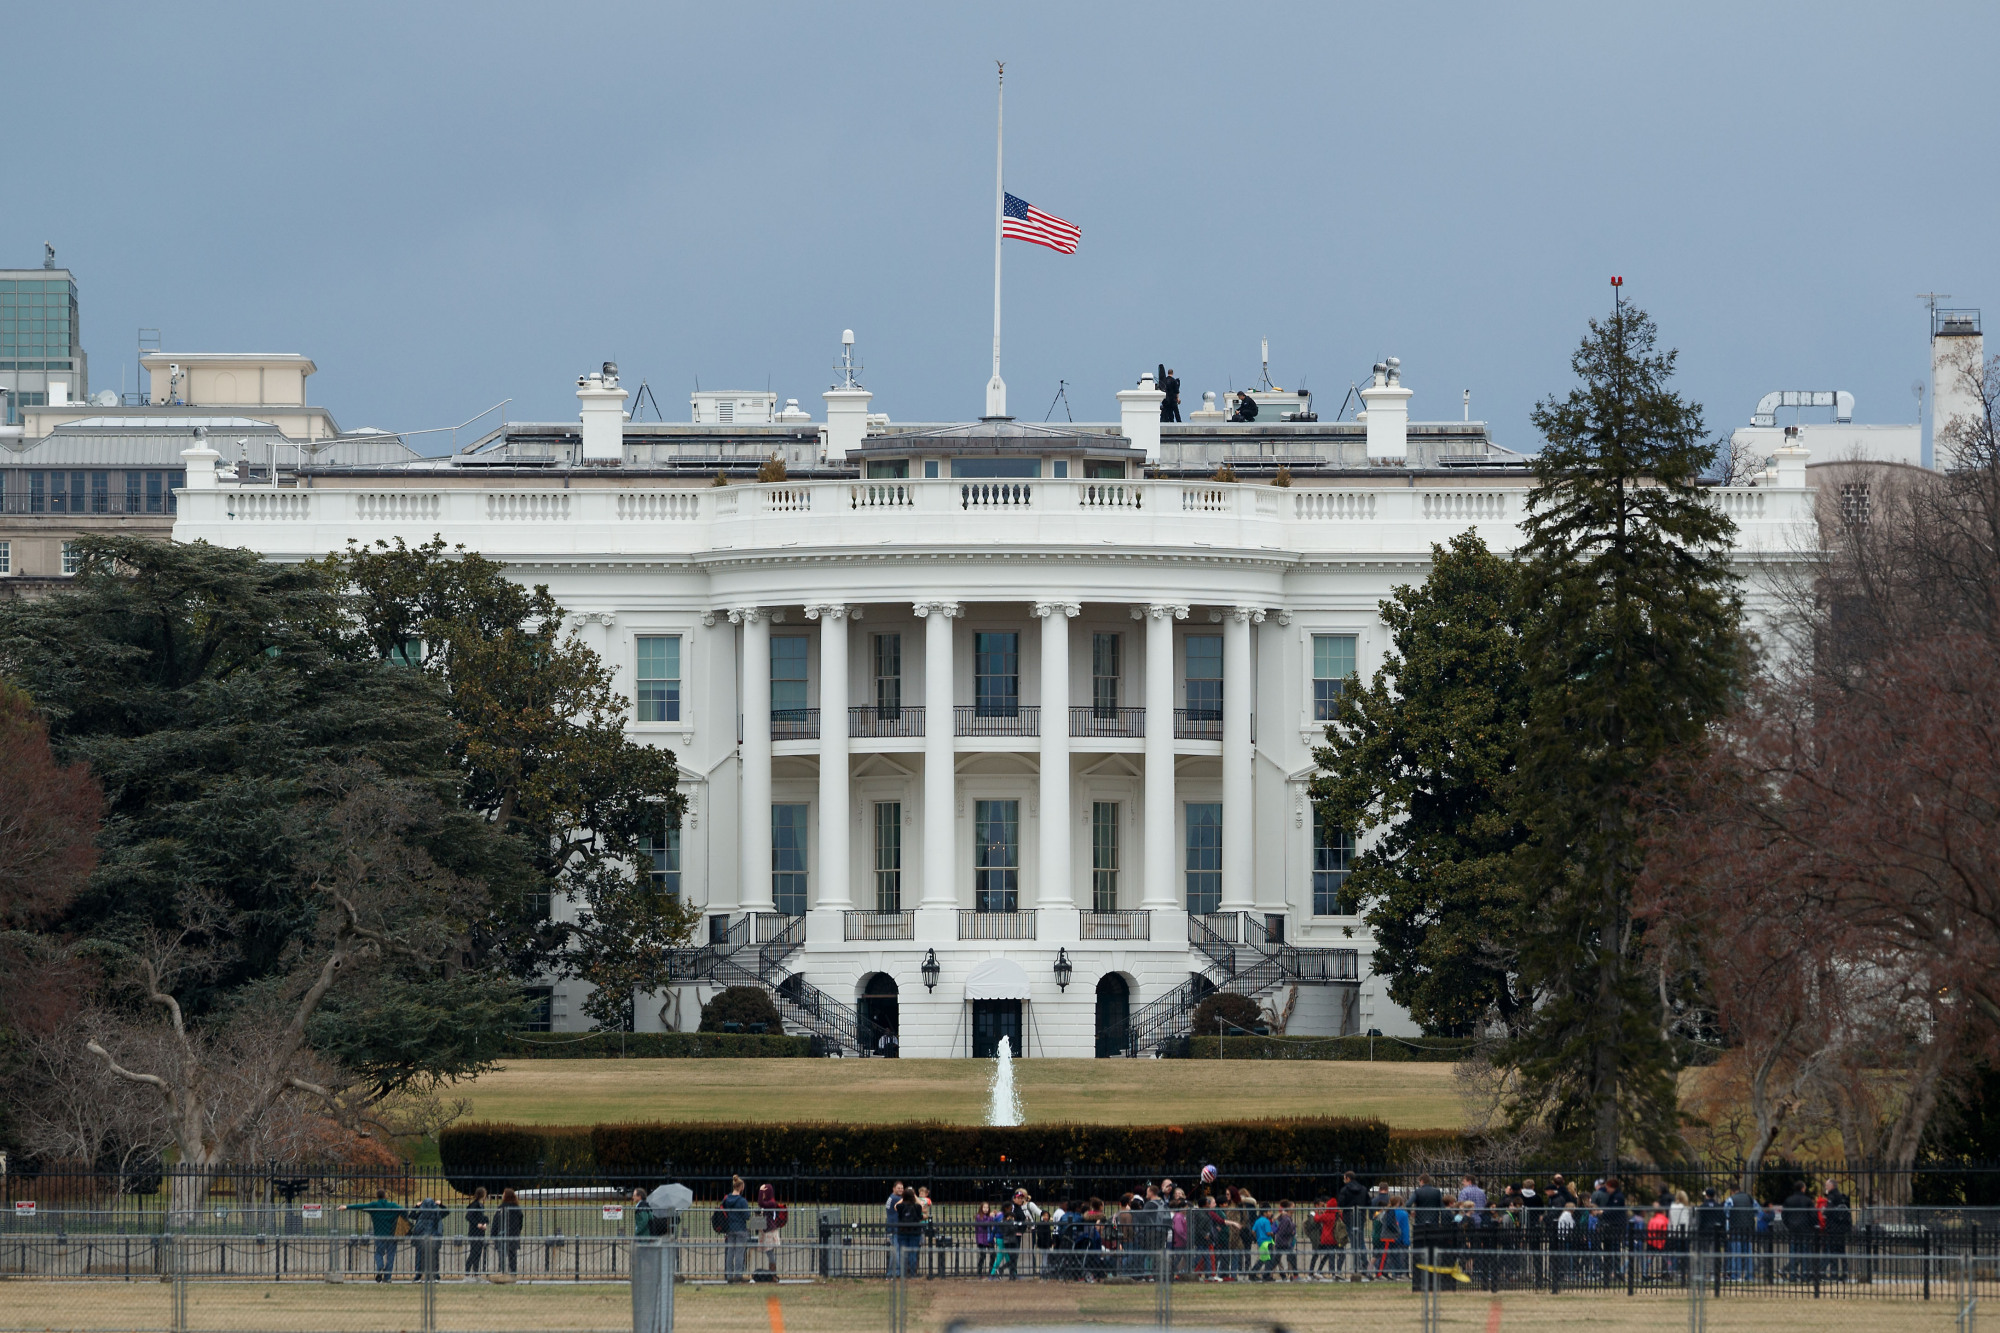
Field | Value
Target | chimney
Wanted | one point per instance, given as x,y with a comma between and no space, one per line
1387,403
603,407
1789,472
1958,405
1139,416
846,404
200,461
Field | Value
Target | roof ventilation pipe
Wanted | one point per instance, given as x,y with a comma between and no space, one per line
1139,416
1388,407
1841,401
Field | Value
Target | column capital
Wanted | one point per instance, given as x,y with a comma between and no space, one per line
604,618
1284,617
1163,611
833,611
1065,609
747,615
946,610
1250,615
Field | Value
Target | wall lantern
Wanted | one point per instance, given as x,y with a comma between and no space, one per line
1063,969
930,970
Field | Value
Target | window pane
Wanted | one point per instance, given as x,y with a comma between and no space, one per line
664,860
658,681
152,492
1333,854
788,679
132,501
889,675
996,856
788,858
1204,857
888,856
1104,674
1333,663
996,666
1204,676
1104,856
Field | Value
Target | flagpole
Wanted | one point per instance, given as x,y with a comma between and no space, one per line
996,388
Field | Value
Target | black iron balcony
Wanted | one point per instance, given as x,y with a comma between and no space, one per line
1115,925
880,925
795,724
874,720
988,720
1090,720
996,925
1198,724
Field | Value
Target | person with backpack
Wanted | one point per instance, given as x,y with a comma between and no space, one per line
909,1231
427,1237
771,1219
731,1220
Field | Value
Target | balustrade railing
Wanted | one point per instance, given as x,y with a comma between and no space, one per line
875,721
1115,925
1198,724
795,724
973,925
983,720
1090,720
880,925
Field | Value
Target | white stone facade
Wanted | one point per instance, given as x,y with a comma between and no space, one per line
1036,634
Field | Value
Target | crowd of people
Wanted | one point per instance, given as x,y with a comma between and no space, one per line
423,1226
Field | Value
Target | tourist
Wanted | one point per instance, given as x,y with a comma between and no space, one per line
771,1228
1427,1215
1263,1247
889,1225
735,1210
476,1223
982,1236
1285,1240
427,1237
510,1223
382,1219
1353,1201
909,1231
1836,1226
1329,1233
1010,1235
1801,1219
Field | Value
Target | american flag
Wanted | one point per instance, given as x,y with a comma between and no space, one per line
1024,222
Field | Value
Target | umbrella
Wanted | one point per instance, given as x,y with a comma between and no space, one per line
670,1199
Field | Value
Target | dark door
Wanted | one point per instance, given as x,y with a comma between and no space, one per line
879,1015
992,1020
1114,1016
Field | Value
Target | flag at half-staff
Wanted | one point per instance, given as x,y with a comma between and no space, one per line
1025,222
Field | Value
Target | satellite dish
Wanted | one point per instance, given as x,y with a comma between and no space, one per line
105,398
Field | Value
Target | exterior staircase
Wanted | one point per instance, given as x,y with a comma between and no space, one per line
1245,955
754,951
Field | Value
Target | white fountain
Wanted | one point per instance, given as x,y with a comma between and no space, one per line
1003,1103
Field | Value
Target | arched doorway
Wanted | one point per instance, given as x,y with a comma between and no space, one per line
1114,1016
880,1017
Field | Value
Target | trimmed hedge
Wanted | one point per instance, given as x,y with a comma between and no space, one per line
658,1046
1388,1050
634,1154
499,1155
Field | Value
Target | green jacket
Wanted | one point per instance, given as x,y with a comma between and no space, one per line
382,1215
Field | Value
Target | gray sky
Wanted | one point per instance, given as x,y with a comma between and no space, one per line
449,205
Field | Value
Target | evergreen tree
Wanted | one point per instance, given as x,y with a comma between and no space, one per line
1632,651
1423,759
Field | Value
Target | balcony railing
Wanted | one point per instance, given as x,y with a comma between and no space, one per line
1090,720
795,724
773,927
17,500
875,721
1115,925
1227,926
1198,724
996,925
975,720
880,925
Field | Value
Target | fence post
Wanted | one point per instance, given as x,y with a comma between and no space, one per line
1163,1291
177,1265
1697,1289
428,1305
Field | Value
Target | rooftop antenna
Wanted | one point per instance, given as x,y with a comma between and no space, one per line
847,368
48,255
1931,299
1061,397
1267,366
1468,404
644,396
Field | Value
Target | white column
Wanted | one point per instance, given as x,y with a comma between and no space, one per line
1160,860
834,831
1238,846
1055,888
753,833
940,757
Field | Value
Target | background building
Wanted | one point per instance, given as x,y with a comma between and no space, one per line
41,341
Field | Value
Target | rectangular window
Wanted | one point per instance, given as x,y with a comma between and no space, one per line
888,856
72,558
893,470
788,858
100,492
996,467
153,504
1204,677
996,674
541,1003
176,481
1204,857
658,682
996,856
788,679
409,653
76,500
6,557
58,493
1104,856
1103,471
36,499
1333,664
1104,674
133,481
663,855
1333,854
889,676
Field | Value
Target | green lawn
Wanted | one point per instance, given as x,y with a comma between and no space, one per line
581,1092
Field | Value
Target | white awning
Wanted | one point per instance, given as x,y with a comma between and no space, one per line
997,979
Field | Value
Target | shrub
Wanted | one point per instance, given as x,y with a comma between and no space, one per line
1224,473
721,478
741,1004
500,1156
659,1046
1386,1050
1240,1012
633,1155
772,469
1284,477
